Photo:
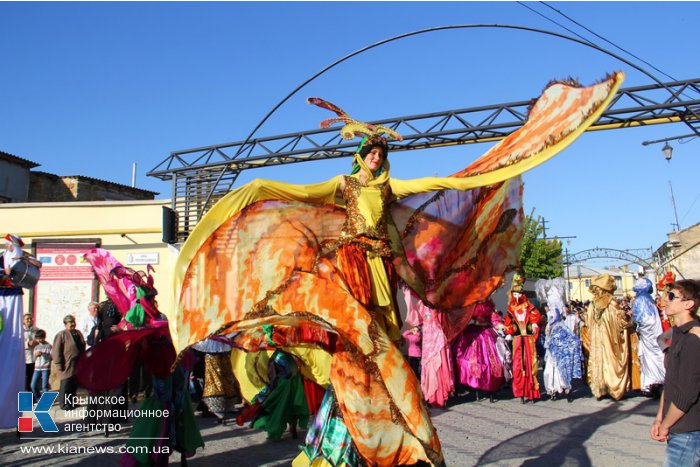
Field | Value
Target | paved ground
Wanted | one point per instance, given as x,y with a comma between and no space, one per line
507,433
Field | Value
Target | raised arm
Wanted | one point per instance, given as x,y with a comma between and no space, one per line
403,188
260,189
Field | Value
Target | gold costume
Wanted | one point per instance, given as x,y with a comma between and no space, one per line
609,352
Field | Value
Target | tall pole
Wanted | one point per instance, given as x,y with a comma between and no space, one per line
580,288
568,283
673,201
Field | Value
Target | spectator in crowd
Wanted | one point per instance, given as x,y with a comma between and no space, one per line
539,342
67,347
572,319
678,417
413,336
88,324
29,343
42,364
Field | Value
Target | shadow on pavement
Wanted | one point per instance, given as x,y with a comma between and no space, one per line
561,442
270,453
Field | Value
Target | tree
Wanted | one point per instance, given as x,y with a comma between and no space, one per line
540,258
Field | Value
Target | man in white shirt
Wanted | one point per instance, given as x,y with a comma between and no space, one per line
89,321
572,320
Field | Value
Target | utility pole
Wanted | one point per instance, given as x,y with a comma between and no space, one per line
544,227
568,263
675,212
566,256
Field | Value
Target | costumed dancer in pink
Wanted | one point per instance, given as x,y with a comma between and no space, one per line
143,336
476,356
437,373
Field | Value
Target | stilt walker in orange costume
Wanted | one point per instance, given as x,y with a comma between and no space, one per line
289,256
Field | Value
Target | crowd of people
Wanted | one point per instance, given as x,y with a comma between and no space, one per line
287,293
612,344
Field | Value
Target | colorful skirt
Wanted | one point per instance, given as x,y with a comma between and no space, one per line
328,438
478,363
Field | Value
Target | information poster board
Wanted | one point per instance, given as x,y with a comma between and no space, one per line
66,286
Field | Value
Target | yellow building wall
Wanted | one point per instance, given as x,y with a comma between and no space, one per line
123,227
578,289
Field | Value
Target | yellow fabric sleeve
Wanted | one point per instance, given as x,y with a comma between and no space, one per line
403,188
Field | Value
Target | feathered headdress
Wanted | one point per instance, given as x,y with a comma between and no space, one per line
518,283
352,128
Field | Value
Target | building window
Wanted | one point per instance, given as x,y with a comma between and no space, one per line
587,282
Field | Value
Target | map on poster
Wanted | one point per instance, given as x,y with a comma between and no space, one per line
58,299
66,286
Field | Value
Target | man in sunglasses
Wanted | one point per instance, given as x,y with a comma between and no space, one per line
678,418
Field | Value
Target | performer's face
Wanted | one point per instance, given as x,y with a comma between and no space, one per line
374,158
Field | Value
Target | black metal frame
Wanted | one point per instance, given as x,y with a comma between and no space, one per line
200,176
627,255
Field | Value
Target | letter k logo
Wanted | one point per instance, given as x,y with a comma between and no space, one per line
41,411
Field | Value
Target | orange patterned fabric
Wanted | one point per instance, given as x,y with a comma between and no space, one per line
459,245
259,260
352,263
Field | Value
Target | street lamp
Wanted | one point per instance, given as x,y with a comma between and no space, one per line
668,151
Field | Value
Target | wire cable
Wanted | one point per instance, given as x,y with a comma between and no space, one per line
691,207
552,21
592,32
606,40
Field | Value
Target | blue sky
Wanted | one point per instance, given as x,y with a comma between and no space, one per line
89,88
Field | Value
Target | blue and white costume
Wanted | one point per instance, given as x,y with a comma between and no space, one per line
564,357
649,327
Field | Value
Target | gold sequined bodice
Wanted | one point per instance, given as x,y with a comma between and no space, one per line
366,209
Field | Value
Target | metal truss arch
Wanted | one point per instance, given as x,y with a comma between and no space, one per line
612,253
201,176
